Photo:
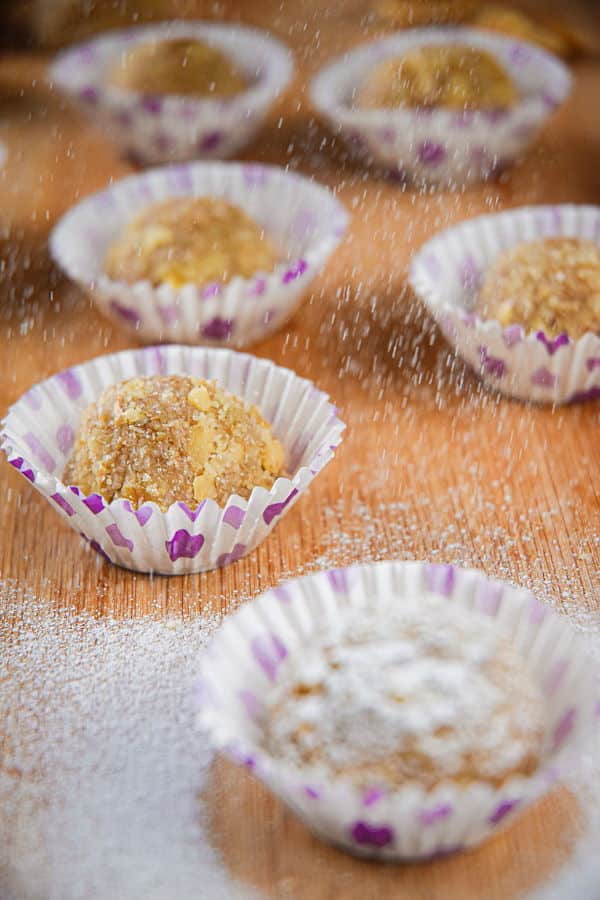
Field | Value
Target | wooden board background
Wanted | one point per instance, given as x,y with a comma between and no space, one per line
431,467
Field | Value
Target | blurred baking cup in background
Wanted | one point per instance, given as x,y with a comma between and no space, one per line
302,218
436,145
152,128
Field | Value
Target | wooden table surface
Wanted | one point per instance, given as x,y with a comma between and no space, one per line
432,466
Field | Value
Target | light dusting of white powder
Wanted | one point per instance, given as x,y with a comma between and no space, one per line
376,687
101,768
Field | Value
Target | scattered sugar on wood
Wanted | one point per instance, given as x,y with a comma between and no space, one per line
101,770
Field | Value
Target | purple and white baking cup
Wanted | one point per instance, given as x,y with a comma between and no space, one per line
243,663
303,218
173,128
447,273
39,431
442,146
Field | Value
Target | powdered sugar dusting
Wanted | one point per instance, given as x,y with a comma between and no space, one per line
444,527
101,770
78,818
426,678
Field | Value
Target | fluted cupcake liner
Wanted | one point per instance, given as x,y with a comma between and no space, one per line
241,667
173,128
303,219
39,431
447,273
442,146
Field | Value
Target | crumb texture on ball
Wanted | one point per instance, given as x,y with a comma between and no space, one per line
183,66
408,13
451,76
190,240
172,438
427,693
552,285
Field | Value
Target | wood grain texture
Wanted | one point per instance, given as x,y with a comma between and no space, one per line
432,465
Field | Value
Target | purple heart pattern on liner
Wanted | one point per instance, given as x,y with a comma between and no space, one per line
269,652
226,559
492,365
436,814
234,516
63,504
181,539
156,129
118,538
94,503
306,218
372,835
439,578
219,329
184,545
504,809
276,509
440,146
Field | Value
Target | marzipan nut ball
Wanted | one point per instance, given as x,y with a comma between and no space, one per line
439,75
172,438
181,66
552,285
197,240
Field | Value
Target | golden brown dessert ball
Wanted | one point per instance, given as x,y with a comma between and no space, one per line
516,24
181,66
408,13
172,438
425,693
197,240
452,76
551,285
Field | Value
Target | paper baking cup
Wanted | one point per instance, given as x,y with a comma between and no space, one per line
303,218
39,432
173,128
242,666
442,145
447,273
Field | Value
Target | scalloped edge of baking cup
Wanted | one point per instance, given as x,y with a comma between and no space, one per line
442,146
302,216
39,431
173,128
242,663
446,274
